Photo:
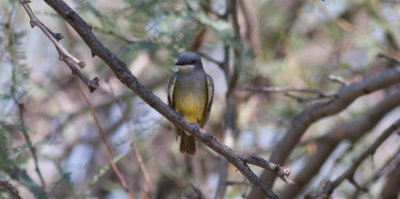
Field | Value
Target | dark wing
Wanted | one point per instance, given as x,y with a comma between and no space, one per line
210,97
171,86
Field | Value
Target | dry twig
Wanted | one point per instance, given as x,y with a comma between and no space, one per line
71,61
197,193
349,173
391,189
106,143
24,131
6,185
390,162
236,182
210,59
388,57
338,79
134,147
287,91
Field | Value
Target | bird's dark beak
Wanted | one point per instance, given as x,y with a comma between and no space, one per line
179,63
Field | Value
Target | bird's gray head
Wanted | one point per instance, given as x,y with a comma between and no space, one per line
189,60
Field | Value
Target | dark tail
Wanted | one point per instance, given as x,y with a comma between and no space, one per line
188,144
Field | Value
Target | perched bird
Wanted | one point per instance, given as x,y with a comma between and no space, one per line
190,93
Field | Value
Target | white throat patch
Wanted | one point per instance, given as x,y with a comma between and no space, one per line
186,67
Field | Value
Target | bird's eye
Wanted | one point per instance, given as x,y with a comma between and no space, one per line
193,61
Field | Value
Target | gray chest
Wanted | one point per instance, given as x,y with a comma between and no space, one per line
190,92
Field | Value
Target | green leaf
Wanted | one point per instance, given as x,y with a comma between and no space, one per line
104,169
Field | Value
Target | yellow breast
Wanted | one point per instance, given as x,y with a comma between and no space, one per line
191,106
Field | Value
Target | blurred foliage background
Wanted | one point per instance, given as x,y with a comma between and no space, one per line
274,43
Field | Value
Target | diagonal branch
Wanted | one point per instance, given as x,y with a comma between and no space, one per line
71,61
287,91
351,131
126,77
344,97
139,158
52,36
390,162
6,185
392,184
349,173
106,143
24,131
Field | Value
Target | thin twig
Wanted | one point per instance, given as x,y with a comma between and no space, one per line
391,187
52,36
287,92
24,131
210,59
338,79
71,61
91,84
133,144
106,143
6,185
197,193
236,182
349,173
390,162
388,57
129,40
284,90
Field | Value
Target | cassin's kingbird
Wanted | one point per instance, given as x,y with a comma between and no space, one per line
190,92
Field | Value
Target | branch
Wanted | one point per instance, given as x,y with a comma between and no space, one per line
386,166
197,193
129,40
134,147
230,129
392,184
251,24
24,130
236,182
287,92
126,77
26,181
6,185
71,61
353,131
339,80
106,143
388,57
344,97
349,173
210,59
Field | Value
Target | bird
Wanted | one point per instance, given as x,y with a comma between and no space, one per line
190,94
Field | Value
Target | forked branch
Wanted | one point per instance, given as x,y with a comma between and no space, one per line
71,61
